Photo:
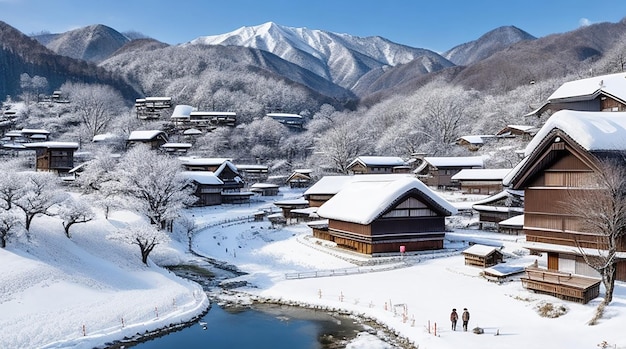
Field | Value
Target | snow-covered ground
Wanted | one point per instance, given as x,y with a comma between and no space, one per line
88,290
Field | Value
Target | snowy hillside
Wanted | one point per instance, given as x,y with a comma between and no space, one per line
341,58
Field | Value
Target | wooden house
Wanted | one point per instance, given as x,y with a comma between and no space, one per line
152,107
499,207
438,171
473,142
211,119
377,165
526,132
605,93
34,135
512,226
55,157
176,148
482,256
253,172
265,189
287,206
154,138
300,178
487,181
562,158
293,121
377,217
208,187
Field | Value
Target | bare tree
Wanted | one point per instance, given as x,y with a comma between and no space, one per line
146,236
600,209
74,211
340,145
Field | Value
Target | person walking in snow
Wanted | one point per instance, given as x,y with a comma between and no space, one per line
465,317
453,318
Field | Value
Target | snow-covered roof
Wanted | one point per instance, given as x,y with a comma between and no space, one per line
182,111
284,115
594,131
154,99
213,113
57,145
204,161
230,165
333,184
144,135
447,161
501,195
103,137
480,250
192,131
612,84
378,161
473,139
264,186
513,221
363,201
176,145
202,177
34,131
481,174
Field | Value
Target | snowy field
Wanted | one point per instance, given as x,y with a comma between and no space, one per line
88,290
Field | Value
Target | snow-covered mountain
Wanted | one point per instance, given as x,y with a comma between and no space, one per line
488,44
93,43
341,58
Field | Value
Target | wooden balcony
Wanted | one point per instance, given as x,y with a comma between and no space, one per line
567,286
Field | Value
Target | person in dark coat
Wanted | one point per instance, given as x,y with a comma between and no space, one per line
465,317
453,318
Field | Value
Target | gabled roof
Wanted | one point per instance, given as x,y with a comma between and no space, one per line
203,161
362,202
146,135
369,161
480,250
585,89
481,174
202,177
451,161
330,185
591,132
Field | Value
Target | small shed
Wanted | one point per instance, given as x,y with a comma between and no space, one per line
300,178
265,189
483,256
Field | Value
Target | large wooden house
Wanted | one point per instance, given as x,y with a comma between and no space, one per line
377,165
438,171
563,157
387,216
599,93
57,157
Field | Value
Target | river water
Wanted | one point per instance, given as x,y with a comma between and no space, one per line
259,327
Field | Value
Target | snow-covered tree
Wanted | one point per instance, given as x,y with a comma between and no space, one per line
146,236
96,105
11,185
153,184
74,211
339,146
10,225
38,194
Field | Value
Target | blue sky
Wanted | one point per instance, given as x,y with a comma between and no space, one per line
435,25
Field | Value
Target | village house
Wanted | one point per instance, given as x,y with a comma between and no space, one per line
487,181
563,156
265,189
208,187
208,120
176,148
154,138
377,165
252,173
57,157
180,115
384,216
599,93
152,107
473,142
438,171
525,132
499,207
300,178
